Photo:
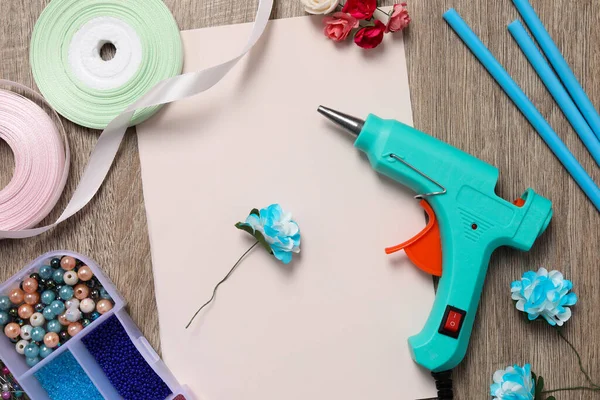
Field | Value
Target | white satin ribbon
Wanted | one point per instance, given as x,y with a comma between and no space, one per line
167,91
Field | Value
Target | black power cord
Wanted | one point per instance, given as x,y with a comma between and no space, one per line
443,383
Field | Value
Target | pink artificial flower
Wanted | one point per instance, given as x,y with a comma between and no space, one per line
339,25
399,18
360,9
370,37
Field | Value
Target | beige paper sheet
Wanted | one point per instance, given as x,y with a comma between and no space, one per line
334,323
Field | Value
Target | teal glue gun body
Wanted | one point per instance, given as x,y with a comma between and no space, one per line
473,221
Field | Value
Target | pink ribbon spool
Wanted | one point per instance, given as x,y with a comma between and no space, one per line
41,153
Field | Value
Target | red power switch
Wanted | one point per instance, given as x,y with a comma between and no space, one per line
452,321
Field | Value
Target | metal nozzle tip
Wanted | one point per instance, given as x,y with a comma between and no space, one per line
351,124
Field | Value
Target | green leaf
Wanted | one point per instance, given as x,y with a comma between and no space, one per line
245,228
255,212
261,239
551,398
540,385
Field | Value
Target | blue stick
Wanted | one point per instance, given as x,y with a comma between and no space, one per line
561,67
525,106
556,88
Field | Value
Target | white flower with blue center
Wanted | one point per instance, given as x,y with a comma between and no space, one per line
544,293
513,383
275,230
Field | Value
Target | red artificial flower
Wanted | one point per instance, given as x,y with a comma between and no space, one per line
399,18
369,37
360,9
339,26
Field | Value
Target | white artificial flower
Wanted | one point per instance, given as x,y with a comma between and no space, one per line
320,6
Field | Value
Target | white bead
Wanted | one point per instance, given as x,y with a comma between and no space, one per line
87,305
5,388
70,278
37,319
26,332
73,315
73,303
20,347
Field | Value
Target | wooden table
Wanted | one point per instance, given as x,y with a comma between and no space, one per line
453,99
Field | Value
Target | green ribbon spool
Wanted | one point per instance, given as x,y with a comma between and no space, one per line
77,82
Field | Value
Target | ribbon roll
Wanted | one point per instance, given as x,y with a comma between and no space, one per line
41,156
168,90
86,89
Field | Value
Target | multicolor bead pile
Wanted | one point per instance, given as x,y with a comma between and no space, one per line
10,389
51,306
133,378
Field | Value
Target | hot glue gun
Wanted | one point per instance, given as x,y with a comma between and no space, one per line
467,221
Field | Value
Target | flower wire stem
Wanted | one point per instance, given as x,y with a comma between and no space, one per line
222,281
587,376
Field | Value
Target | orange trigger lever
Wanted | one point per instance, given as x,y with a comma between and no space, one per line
425,249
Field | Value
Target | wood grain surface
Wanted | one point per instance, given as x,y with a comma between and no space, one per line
455,100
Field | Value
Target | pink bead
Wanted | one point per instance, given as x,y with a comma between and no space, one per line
25,311
5,371
30,285
85,273
81,291
51,339
67,263
32,298
16,296
6,395
104,306
62,318
75,328
12,330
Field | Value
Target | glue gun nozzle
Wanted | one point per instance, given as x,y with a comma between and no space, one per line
351,124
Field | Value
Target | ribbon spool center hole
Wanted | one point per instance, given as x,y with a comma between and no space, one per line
7,163
108,51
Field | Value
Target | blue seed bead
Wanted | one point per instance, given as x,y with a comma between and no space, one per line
37,334
57,307
32,361
48,296
66,292
48,313
95,315
45,351
54,326
18,394
104,294
57,275
4,318
5,303
46,272
32,350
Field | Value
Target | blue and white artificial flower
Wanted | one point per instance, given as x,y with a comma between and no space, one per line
513,383
544,293
275,230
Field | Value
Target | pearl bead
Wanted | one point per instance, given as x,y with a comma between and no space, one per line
20,346
32,350
85,273
68,263
30,285
95,315
5,303
25,311
74,328
26,332
57,276
64,336
53,326
16,296
73,303
73,315
104,294
37,334
48,314
51,339
45,351
66,292
31,361
62,318
46,272
55,263
104,306
57,306
32,298
4,318
87,305
12,330
37,319
39,307
70,278
48,296
6,395
85,322
81,291
5,388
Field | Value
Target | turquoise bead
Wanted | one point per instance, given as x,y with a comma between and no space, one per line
104,294
46,272
48,296
48,313
37,334
57,276
45,351
66,292
32,350
19,394
4,318
54,326
95,315
5,303
57,306
32,361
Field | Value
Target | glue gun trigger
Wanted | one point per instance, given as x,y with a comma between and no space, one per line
425,249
